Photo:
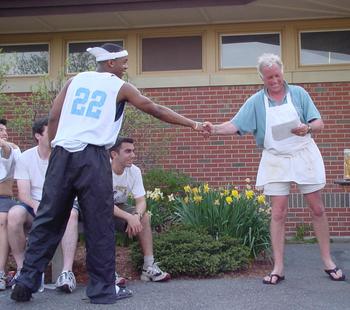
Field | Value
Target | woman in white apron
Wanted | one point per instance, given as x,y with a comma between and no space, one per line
290,155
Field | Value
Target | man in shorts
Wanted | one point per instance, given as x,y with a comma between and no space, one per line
9,153
133,220
30,175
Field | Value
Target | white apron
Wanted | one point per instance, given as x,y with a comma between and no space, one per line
288,159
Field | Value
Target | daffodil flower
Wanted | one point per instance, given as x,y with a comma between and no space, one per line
187,189
229,199
249,194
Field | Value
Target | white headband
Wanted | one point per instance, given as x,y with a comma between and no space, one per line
101,54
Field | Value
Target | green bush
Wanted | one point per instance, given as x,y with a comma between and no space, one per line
169,181
242,215
191,252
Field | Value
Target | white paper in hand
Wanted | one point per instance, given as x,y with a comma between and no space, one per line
283,131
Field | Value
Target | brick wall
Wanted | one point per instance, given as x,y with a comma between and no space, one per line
231,159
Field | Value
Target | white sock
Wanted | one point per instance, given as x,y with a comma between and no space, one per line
148,261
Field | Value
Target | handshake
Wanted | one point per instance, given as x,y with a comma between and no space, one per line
206,128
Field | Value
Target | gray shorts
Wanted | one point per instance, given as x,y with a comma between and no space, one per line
7,202
121,224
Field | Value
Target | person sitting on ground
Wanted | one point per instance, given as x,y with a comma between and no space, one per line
9,153
30,174
133,220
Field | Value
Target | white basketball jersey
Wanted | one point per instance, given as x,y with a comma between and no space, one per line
90,114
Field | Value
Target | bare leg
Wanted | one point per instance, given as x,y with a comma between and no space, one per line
70,240
320,224
277,230
18,220
145,236
4,245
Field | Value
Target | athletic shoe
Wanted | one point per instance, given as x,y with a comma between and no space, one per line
122,292
21,293
11,281
66,282
120,281
2,281
154,273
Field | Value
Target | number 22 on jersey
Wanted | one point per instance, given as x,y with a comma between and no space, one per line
88,104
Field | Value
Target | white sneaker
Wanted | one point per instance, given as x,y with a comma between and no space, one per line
120,281
66,282
154,273
2,281
122,292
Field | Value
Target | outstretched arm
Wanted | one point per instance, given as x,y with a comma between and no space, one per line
226,128
131,94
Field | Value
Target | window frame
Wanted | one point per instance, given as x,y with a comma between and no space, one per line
48,43
314,67
145,35
67,42
244,68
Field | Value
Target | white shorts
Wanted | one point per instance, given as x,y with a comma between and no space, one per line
283,188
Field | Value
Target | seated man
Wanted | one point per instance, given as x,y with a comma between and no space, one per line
30,174
134,220
9,153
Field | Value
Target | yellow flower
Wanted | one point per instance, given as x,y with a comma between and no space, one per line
187,189
206,188
249,194
197,198
217,202
195,190
261,199
186,199
229,199
235,193
226,192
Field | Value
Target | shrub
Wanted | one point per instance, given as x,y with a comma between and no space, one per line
192,252
228,212
169,181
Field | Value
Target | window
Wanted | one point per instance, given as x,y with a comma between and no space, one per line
25,59
172,53
325,48
79,59
239,51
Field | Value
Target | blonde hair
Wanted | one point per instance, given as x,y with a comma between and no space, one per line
268,60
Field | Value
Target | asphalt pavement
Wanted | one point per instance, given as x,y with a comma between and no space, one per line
306,287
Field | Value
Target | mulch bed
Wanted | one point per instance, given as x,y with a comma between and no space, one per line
126,269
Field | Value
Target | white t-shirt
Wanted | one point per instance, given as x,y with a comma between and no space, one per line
7,165
128,182
30,166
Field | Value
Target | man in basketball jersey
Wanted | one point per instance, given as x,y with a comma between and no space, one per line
84,123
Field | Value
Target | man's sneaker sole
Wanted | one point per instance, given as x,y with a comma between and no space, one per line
21,293
64,288
160,278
